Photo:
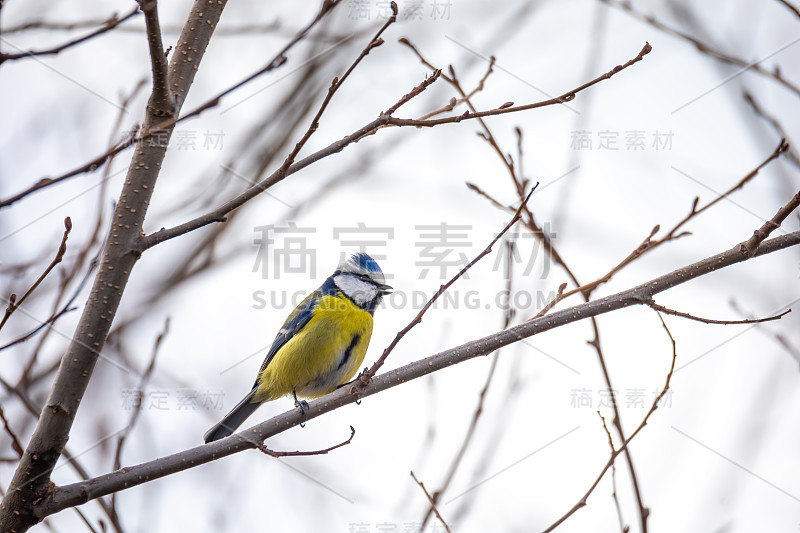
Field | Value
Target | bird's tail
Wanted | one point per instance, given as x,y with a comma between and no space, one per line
232,420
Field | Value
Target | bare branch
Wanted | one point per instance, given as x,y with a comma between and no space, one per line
751,245
520,183
31,481
705,48
615,453
649,243
790,152
272,453
791,6
13,304
107,26
15,443
165,126
478,411
668,311
129,477
335,84
782,147
142,384
218,215
365,376
161,103
431,501
70,459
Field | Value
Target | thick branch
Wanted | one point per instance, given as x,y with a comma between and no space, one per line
126,478
31,482
161,102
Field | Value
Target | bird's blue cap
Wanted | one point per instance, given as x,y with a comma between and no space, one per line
361,263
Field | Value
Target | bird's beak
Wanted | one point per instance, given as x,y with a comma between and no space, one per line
385,289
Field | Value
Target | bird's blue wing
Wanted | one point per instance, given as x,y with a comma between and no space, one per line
294,323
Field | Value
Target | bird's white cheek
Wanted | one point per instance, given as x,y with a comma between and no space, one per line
360,292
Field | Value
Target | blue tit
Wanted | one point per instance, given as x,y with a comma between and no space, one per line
321,345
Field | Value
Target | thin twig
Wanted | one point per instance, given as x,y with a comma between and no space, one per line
791,6
615,453
365,376
668,311
530,222
782,147
478,411
751,245
335,84
15,443
705,48
431,501
66,308
588,288
137,408
790,153
272,453
793,351
13,304
278,60
649,244
622,527
107,26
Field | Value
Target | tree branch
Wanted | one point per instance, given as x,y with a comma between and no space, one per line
791,6
272,453
161,103
31,482
167,125
13,304
125,478
431,501
615,452
704,48
364,378
218,214
668,311
108,25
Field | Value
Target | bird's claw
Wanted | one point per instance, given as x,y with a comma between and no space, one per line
303,405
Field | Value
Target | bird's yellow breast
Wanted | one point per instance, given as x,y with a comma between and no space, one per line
325,353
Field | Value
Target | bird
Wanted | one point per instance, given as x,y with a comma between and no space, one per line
320,346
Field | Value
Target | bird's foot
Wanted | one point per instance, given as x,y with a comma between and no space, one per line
303,405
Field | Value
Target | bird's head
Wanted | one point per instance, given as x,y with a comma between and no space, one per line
362,280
